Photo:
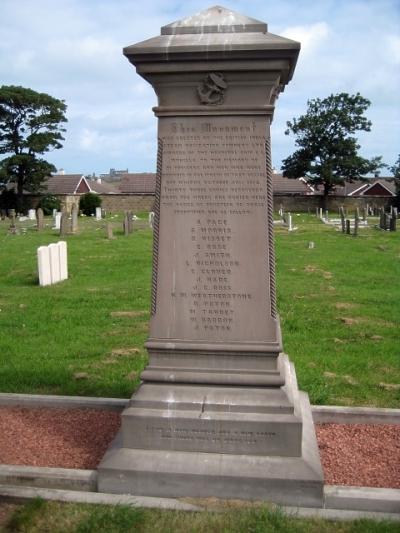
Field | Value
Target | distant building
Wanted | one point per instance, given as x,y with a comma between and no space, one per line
138,183
287,186
113,175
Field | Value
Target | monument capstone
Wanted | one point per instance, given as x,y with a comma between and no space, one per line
218,412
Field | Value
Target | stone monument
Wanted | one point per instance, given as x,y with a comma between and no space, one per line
219,412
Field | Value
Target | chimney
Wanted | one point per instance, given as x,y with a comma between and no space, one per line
98,180
61,172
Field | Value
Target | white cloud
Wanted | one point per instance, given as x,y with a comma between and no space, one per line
72,49
393,48
310,37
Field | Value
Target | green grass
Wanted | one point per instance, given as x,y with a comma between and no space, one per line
50,334
51,517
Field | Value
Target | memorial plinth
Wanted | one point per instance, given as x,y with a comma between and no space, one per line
219,412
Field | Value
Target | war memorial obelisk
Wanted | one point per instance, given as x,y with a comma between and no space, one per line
218,412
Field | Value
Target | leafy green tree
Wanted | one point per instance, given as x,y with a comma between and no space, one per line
328,152
88,203
395,170
48,203
31,124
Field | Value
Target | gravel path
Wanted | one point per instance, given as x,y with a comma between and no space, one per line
356,454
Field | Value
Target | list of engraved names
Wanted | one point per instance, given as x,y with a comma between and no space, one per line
213,179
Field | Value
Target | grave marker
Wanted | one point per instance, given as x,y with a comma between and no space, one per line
43,254
54,255
64,224
57,220
217,381
74,219
39,219
110,233
98,213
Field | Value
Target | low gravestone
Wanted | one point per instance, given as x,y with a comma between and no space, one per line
109,229
130,221
57,220
151,219
356,222
39,219
98,213
125,224
12,215
218,413
52,263
342,220
32,214
64,224
74,219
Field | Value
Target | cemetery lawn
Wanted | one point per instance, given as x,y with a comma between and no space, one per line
39,516
339,306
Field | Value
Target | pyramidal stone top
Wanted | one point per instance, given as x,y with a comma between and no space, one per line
216,19
216,33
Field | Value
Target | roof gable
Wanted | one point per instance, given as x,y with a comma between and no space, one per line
66,184
377,189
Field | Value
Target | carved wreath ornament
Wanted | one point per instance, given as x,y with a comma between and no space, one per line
212,90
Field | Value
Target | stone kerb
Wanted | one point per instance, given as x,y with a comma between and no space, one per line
52,263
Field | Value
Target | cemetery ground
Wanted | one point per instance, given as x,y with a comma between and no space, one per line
339,309
339,305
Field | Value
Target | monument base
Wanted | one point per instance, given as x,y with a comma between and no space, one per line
224,442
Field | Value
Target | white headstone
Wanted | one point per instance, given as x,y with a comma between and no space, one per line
98,213
32,214
62,249
57,220
54,262
151,219
54,213
290,222
43,256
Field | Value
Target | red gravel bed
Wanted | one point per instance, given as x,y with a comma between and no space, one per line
65,438
364,455
352,454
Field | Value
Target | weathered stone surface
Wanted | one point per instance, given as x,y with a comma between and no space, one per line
39,219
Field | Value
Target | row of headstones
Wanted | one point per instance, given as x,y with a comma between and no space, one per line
365,212
129,219
287,219
388,221
52,263
68,224
346,223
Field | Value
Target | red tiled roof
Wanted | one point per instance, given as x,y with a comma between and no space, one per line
281,185
63,183
144,183
359,187
104,187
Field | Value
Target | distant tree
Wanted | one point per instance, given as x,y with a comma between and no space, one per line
48,203
328,153
88,203
31,124
395,170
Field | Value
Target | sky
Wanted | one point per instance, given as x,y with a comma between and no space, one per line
72,50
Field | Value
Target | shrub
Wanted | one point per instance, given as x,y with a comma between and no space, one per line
88,203
48,203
